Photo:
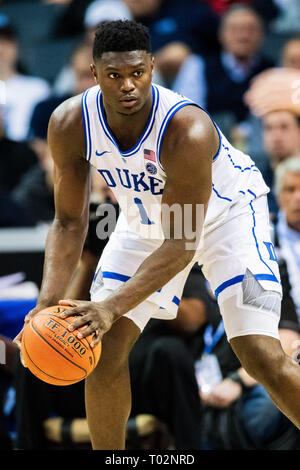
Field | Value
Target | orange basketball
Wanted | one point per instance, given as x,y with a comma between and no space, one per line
53,353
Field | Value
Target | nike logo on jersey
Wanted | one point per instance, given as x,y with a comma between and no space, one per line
102,153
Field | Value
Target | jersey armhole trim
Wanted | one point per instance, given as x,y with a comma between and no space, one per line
165,124
86,126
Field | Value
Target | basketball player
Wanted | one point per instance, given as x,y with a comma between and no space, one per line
155,148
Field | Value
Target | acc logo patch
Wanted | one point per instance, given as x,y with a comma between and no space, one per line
151,168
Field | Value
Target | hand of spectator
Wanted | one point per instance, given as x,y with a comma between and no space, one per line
274,89
222,395
170,58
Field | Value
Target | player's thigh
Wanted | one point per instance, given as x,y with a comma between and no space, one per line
241,266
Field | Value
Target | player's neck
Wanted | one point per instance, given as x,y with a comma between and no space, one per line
127,129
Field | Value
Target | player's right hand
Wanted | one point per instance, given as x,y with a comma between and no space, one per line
18,338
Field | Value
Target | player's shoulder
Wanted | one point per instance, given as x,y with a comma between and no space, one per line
186,118
190,125
68,113
65,130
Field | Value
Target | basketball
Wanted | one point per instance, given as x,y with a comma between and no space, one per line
53,353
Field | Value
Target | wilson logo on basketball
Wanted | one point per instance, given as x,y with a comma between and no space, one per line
64,337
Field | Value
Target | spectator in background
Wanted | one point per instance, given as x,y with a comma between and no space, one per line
70,22
179,69
274,97
287,188
73,79
290,55
34,193
275,89
22,92
228,74
281,136
191,22
16,158
102,10
281,140
266,8
224,77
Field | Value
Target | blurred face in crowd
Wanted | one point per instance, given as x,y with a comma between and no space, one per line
241,34
8,57
289,199
291,54
281,133
170,58
81,66
141,8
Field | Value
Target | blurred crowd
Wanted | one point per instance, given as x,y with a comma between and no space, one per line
241,62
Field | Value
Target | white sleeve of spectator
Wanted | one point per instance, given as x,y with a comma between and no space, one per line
191,81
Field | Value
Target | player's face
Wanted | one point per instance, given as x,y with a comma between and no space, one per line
281,135
125,80
289,198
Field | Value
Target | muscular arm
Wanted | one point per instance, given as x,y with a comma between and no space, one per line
71,189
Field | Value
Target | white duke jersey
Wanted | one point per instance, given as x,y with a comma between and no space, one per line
137,177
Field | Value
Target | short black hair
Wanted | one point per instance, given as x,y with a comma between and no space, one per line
121,36
240,7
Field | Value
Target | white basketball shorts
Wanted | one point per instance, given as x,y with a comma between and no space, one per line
237,258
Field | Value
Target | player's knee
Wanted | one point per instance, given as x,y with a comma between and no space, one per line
261,356
116,346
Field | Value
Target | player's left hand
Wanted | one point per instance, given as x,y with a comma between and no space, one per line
93,314
222,395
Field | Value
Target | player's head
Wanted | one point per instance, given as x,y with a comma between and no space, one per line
287,187
123,64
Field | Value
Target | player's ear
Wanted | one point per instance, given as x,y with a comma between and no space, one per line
152,66
94,72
